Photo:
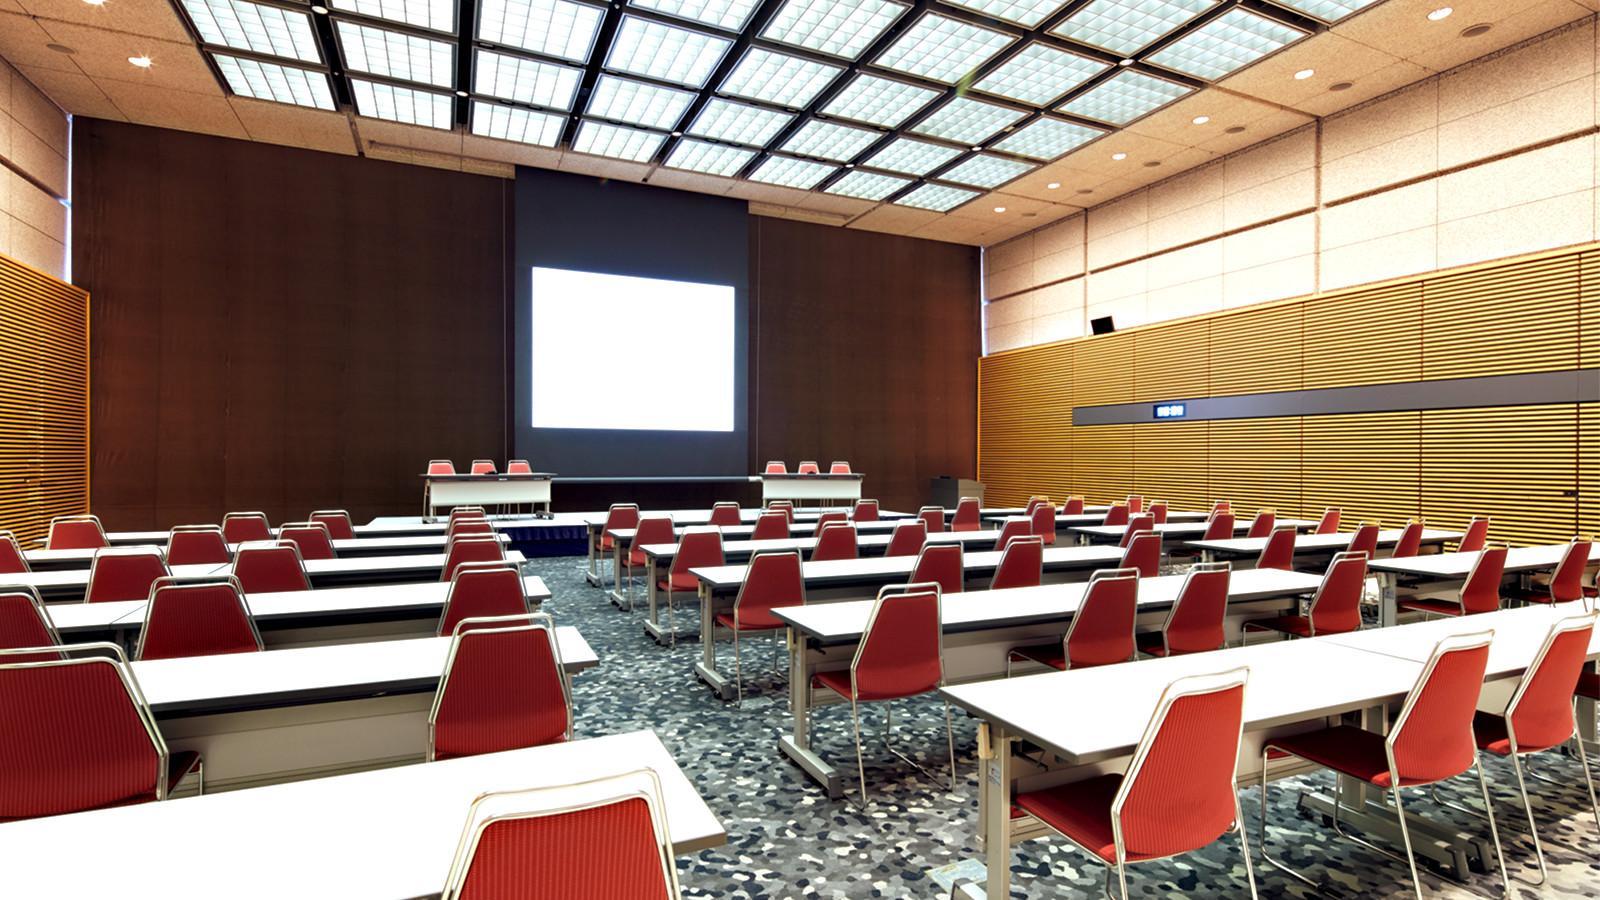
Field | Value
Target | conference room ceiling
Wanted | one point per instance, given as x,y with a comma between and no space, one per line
961,120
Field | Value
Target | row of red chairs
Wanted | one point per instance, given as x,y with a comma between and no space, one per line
479,467
84,532
807,467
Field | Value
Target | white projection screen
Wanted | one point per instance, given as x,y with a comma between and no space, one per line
615,352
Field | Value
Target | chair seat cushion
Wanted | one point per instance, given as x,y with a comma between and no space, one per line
1346,749
1538,594
758,620
1081,810
679,583
1490,731
1048,654
180,764
1433,607
838,681
1299,626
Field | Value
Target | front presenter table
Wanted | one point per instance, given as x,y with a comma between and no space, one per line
807,488
485,490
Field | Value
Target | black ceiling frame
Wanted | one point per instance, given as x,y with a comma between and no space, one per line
329,66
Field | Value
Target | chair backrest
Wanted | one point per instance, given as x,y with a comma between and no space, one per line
76,533
1137,525
828,518
1539,715
239,527
201,619
968,515
338,523
598,840
1143,552
1042,523
1476,537
1336,606
1566,585
908,538
78,735
483,590
1195,622
773,579
468,525
772,525
1101,631
941,564
1410,543
1073,506
1021,564
518,467
1481,591
24,623
1219,527
1116,514
311,537
1365,539
933,518
1178,793
503,688
1011,529
12,561
901,653
189,545
1221,506
1329,523
483,467
775,467
697,547
441,467
1158,512
808,467
123,573
839,467
652,529
865,511
1278,551
784,506
1135,504
1262,524
1034,503
835,540
725,515
265,567
1432,739
620,515
468,512
470,548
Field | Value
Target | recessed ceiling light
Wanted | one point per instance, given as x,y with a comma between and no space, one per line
461,93
1234,129
836,27
318,9
1085,190
393,54
1053,185
256,27
1225,44
787,171
524,80
1201,120
1303,74
513,123
1046,138
437,15
617,142
60,48
937,197
865,185
712,159
1119,157
1440,14
879,101
1125,28
407,106
1125,97
95,2
943,49
665,52
560,28
143,62
1152,164
791,81
280,84
1342,86
999,209
1125,63
739,123
1481,28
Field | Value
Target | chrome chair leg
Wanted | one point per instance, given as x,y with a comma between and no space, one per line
1405,835
861,766
1122,879
1527,807
950,740
1494,831
1244,845
672,629
1588,777
1267,857
738,668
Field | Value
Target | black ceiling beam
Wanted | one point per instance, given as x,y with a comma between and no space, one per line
466,59
591,72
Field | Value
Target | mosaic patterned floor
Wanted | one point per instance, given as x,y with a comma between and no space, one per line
787,840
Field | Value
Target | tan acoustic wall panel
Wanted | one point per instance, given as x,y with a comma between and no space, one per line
1589,470
1367,465
1255,464
1169,463
1171,363
1025,417
1102,370
1371,336
1102,462
1589,312
1257,349
1517,464
1500,320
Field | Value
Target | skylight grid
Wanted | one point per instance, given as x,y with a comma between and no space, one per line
879,101
1125,97
402,104
828,140
789,172
867,185
665,52
1045,139
739,123
912,157
437,15
1026,13
241,25
967,121
638,103
986,171
779,78
1327,10
1127,27
280,84
712,159
525,80
513,123
943,49
392,54
1040,74
560,28
729,15
836,27
616,141
937,197
1232,41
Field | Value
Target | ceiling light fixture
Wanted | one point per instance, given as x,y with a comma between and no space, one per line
1201,120
999,209
1440,14
1052,185
1303,74
1119,157
95,2
1481,28
143,62
318,9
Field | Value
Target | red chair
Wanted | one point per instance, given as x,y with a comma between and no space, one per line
808,467
80,736
1034,502
1021,564
1195,622
123,573
1177,794
601,840
1135,504
828,518
441,467
1042,524
901,655
1476,536
470,548
1566,585
1329,523
1480,593
311,537
12,560
1365,540
1410,542
1136,525
1116,514
908,538
770,526
338,523
76,533
1143,552
726,515
699,547
1073,506
467,512
775,467
196,620
1158,512
651,529
1262,525
835,540
483,467
269,567
1101,631
619,516
772,580
518,467
865,511
933,518
839,468
941,564
1219,527
25,624
1220,506
192,545
1278,551
467,525
1336,606
1013,528
246,526
968,515
488,590
1430,742
784,506
503,688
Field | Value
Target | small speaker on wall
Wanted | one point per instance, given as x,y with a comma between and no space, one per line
1102,325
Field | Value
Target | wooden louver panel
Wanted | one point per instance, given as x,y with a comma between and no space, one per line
1589,312
1516,464
1169,463
1170,363
1102,369
1025,424
1364,337
1589,469
1255,464
1256,350
1102,462
1501,320
1367,465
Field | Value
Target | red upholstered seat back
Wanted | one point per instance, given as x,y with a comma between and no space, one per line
1541,712
1329,523
1021,564
651,530
1410,543
1101,632
518,467
468,549
196,620
1135,504
839,468
620,515
1117,514
770,526
835,541
337,521
725,515
899,654
783,506
502,690
606,852
241,527
12,562
908,538
270,568
967,517
1158,512
1278,552
123,575
1336,608
483,467
1220,527
1042,523
469,526
1261,525
1136,525
1034,503
312,539
940,564
772,580
23,624
1433,738
1365,540
1143,553
188,547
1181,795
76,533
1073,507
1195,624
697,548
808,468
932,518
1481,592
824,519
775,468
1566,585
482,589
1476,537
1011,529
865,511
441,467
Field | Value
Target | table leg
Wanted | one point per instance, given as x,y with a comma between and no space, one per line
593,574
797,746
994,751
1387,611
617,599
652,623
706,668
1208,556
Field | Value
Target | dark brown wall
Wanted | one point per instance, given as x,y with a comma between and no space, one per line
280,329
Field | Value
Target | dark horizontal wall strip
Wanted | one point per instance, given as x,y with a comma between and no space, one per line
1570,386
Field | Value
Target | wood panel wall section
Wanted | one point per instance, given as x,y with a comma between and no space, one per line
1535,468
283,330
863,349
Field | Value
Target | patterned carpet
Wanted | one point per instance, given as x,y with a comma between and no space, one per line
787,840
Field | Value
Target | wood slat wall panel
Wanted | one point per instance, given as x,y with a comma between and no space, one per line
1517,464
1025,417
1170,463
1255,464
1589,469
1171,363
1589,311
1103,369
1256,350
1500,320
1364,337
1367,465
1102,462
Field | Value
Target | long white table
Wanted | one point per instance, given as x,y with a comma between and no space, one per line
1319,546
1064,521
803,488
1445,571
495,489
367,836
63,585
1176,531
347,548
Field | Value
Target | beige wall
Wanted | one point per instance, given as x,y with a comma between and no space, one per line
1491,159
33,141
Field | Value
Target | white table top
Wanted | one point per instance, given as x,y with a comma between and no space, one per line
382,526
377,835
1183,530
876,568
1518,635
356,547
1090,518
1457,565
864,541
377,568
64,583
1320,542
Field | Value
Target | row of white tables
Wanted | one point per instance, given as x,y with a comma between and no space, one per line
1319,546
1413,575
380,527
343,548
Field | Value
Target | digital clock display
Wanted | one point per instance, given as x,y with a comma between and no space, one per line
1171,410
